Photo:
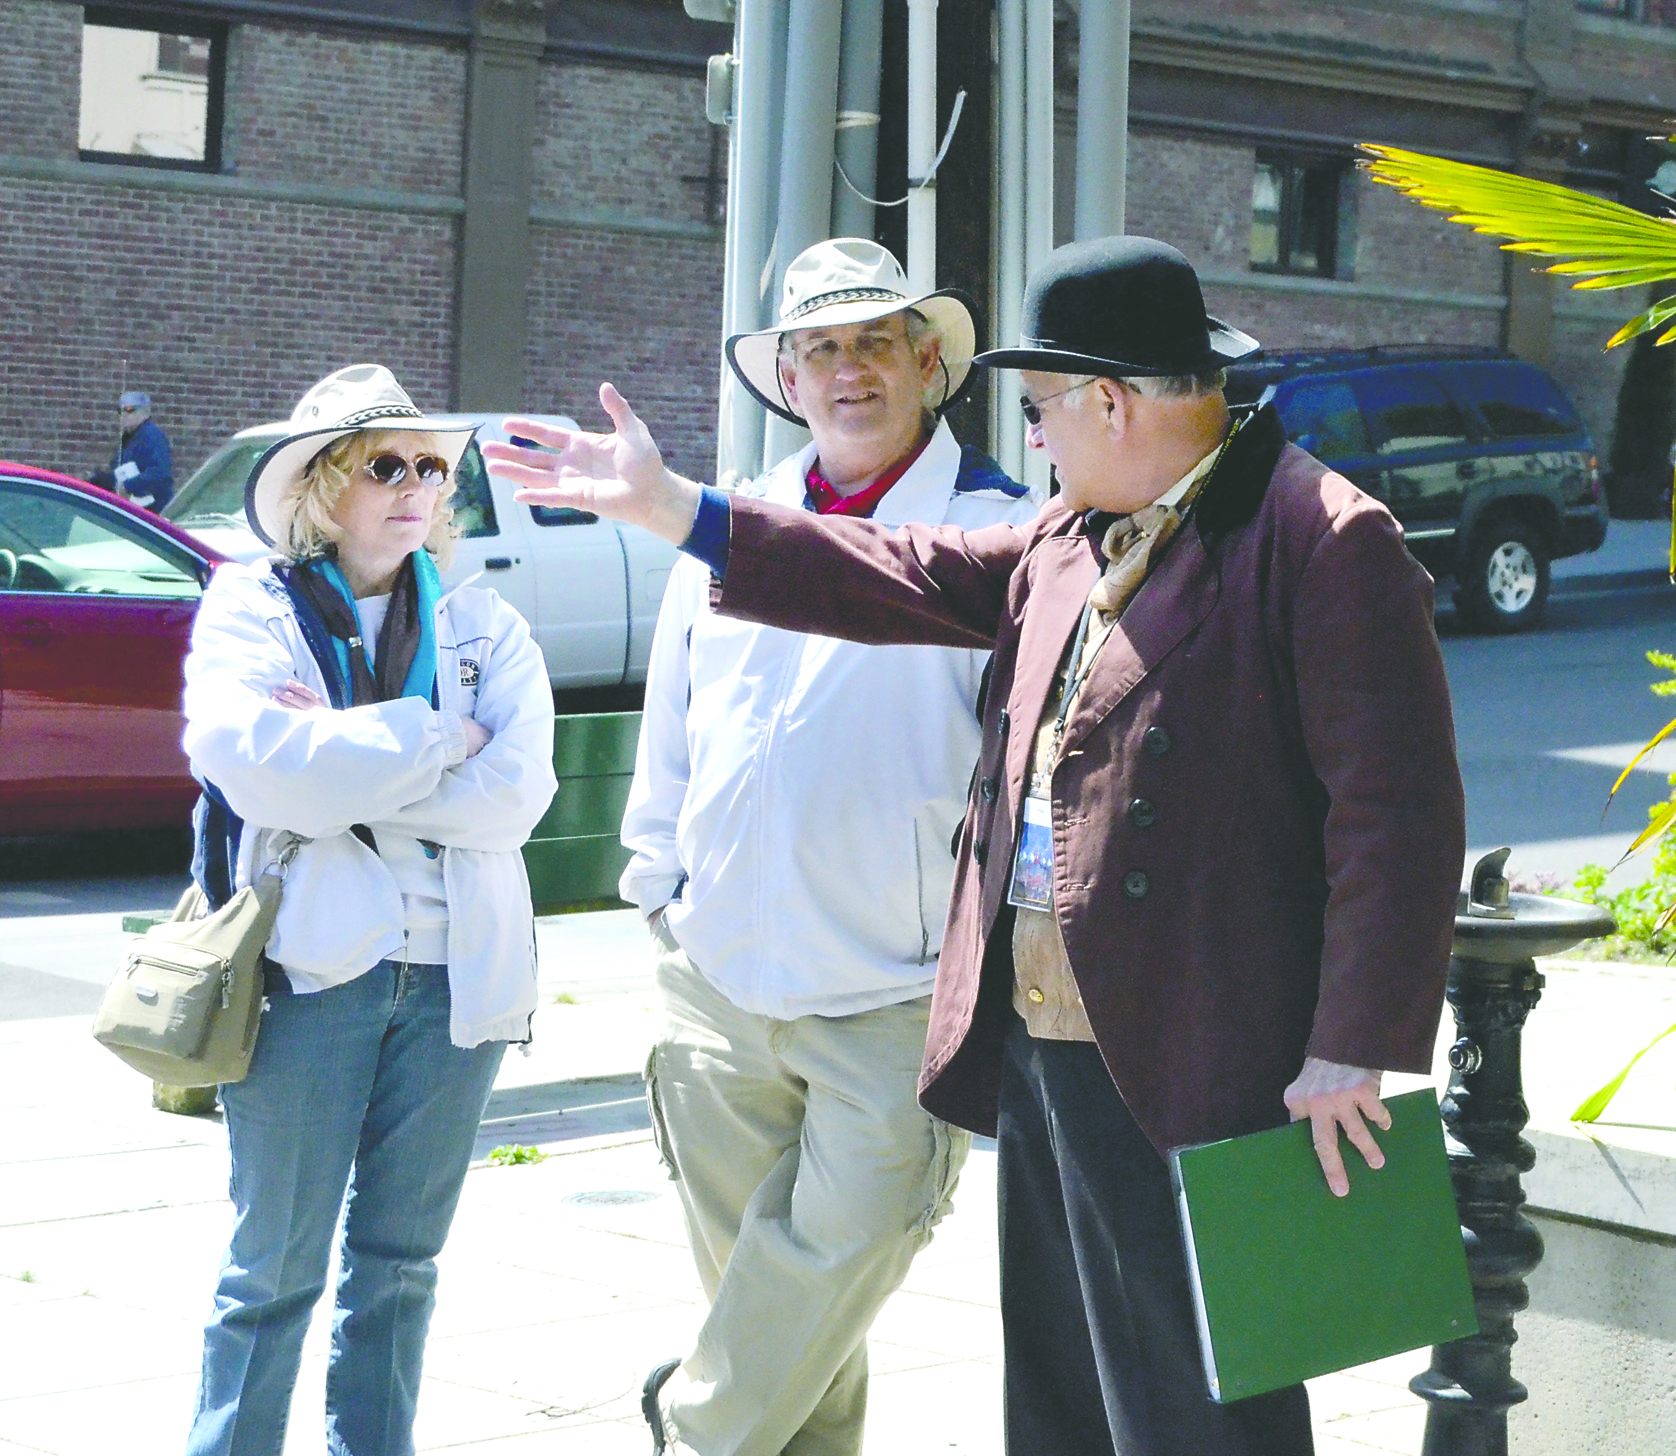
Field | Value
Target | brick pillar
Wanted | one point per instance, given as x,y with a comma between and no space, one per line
1548,142
506,45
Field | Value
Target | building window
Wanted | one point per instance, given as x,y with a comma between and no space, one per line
1295,216
1642,12
151,90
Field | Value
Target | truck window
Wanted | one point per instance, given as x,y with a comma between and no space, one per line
1514,399
1408,410
1324,418
473,502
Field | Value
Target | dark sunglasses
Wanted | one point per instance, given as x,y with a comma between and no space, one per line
1033,407
391,469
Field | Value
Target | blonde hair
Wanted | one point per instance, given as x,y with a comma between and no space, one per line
306,525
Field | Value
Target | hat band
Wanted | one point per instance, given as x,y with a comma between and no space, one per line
843,295
377,412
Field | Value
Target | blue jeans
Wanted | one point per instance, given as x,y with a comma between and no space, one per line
358,1080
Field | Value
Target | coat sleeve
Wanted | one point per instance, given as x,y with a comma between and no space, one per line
494,799
157,471
661,764
314,773
1378,729
868,582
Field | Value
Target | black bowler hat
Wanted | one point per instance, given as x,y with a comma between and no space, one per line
1117,307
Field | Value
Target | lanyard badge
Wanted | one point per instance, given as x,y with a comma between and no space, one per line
1032,883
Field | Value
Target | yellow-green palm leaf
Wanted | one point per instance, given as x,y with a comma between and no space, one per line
1600,243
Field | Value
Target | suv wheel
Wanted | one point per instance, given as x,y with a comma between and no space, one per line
1503,582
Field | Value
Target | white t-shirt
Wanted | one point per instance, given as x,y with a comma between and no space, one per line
418,876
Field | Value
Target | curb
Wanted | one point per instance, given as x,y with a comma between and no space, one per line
1609,581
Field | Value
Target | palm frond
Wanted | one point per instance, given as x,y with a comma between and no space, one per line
1601,243
1653,318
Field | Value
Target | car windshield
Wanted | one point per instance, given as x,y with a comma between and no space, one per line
215,493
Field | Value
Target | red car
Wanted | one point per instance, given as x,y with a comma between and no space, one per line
96,604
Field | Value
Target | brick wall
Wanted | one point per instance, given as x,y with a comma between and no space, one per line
611,138
225,310
40,78
1403,245
1452,34
1194,195
346,110
642,312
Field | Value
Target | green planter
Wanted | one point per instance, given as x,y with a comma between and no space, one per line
574,857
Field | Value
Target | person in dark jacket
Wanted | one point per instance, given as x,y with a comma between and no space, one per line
1207,878
143,468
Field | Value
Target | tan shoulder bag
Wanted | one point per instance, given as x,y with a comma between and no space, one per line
185,1007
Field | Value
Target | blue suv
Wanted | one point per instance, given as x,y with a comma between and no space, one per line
1480,456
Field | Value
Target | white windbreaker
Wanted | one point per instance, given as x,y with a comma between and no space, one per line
805,789
398,767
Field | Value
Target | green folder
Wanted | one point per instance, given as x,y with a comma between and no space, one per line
1290,1282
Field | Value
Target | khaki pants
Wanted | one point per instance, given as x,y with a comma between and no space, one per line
810,1177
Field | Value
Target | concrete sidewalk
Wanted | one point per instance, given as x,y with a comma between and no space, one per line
564,1281
1635,554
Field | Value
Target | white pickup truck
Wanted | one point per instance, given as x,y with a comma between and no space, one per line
590,589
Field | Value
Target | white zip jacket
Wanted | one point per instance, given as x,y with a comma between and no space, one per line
801,791
399,768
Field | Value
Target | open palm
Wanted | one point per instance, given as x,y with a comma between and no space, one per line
620,475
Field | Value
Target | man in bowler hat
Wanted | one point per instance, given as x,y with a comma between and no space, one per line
1207,877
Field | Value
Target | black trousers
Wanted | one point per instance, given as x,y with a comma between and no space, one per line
1102,1353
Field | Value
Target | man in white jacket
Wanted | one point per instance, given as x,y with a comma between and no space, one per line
791,819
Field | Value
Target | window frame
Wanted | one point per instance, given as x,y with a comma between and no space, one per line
1294,167
163,22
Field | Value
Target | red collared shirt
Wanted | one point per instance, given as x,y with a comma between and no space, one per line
827,501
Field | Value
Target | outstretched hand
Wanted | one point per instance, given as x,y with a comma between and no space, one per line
620,475
1332,1095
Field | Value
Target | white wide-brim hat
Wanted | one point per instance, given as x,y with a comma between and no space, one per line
361,397
851,281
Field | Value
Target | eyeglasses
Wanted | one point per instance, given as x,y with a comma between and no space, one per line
1033,407
390,469
128,409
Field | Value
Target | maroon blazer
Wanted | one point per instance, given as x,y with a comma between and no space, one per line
1258,820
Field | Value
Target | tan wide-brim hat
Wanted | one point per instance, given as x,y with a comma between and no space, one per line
361,397
851,281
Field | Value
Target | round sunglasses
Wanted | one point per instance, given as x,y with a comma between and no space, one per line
391,469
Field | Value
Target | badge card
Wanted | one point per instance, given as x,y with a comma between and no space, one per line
1032,886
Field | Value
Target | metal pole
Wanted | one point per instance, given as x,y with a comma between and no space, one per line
857,143
1006,425
1102,117
739,420
806,148
1038,172
922,145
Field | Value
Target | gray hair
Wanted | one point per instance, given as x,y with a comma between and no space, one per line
1178,386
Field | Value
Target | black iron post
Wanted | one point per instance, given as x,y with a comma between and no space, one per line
1493,985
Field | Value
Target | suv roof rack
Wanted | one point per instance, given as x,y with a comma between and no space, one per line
1306,360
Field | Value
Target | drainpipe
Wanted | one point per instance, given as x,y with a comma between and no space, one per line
857,142
1038,174
750,147
806,176
922,145
1102,117
1006,426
